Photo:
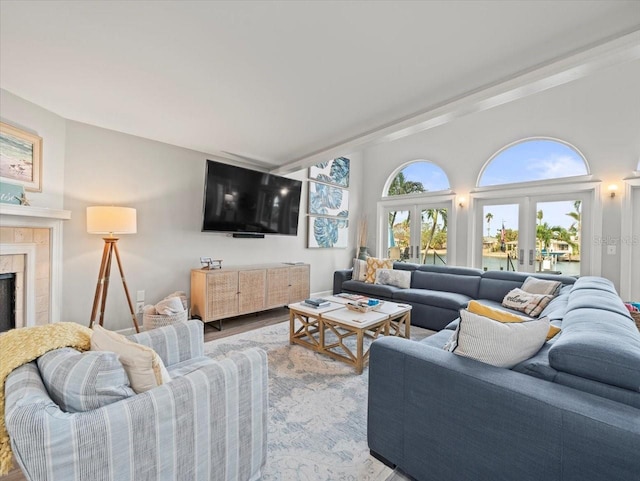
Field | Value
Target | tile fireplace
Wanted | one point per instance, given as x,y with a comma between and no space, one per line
31,249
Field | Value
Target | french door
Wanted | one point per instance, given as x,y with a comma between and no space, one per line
416,232
534,233
630,241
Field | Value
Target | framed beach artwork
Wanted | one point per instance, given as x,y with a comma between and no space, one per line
328,200
335,172
327,232
20,158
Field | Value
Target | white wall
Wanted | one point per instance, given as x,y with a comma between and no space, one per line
165,184
600,115
51,127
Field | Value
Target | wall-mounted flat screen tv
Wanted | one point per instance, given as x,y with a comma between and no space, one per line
244,200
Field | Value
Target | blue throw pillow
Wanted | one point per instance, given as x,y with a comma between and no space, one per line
79,382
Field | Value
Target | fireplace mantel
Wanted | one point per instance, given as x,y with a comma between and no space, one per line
32,211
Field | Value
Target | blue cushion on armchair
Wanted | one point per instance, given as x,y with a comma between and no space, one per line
79,382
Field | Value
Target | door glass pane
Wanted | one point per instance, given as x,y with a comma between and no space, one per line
433,236
558,237
399,231
500,237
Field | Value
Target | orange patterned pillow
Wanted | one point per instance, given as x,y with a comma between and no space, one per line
373,264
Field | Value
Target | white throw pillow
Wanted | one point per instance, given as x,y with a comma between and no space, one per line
393,277
501,344
169,306
142,364
359,270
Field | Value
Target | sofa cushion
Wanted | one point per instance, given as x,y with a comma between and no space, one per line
592,282
373,290
501,344
557,308
531,304
538,365
446,300
455,283
597,299
437,340
373,264
393,277
143,366
82,382
185,367
600,345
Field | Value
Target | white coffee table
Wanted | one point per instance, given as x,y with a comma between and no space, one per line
325,330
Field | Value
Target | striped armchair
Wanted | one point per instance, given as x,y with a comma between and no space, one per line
208,423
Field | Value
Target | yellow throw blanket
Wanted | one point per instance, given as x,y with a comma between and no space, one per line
20,346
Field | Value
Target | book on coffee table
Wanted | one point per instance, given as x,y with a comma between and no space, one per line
316,302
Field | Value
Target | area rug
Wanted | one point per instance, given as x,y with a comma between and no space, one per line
317,410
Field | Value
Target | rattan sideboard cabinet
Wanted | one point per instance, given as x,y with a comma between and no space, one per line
232,291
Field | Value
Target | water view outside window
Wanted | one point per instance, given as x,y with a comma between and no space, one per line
431,248
557,242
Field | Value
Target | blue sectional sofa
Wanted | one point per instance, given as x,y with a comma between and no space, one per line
570,413
437,293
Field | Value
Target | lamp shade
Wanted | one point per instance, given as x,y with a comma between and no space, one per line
111,220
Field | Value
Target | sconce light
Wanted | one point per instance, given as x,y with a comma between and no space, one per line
612,190
461,201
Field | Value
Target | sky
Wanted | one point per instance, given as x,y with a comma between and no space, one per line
531,160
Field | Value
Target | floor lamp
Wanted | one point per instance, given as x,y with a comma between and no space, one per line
110,220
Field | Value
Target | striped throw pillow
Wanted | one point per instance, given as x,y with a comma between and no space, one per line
501,344
79,382
533,285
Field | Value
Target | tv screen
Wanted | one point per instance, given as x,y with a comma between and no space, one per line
244,200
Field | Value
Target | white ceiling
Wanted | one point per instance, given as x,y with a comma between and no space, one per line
276,81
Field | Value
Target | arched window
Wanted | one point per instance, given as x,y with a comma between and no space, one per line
538,227
533,160
417,177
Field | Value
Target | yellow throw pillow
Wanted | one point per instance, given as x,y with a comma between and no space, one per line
373,264
504,316
553,330
142,364
495,314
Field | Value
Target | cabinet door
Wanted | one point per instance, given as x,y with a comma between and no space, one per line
298,283
277,287
222,295
251,291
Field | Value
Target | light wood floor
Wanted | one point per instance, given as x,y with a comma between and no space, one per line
230,327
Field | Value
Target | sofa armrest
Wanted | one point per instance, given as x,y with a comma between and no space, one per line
339,277
176,342
208,424
442,416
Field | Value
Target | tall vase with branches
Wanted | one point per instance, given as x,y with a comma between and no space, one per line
362,238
